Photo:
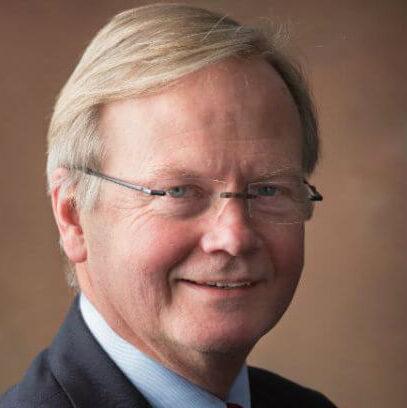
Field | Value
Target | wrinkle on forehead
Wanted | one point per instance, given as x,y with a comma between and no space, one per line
227,87
171,171
229,114
228,161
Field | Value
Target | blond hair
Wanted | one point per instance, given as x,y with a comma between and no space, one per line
141,51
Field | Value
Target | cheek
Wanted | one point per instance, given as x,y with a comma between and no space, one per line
152,254
131,263
286,246
142,255
161,244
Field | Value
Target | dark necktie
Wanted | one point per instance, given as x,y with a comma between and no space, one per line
229,405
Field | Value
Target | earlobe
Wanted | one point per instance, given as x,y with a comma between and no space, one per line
67,218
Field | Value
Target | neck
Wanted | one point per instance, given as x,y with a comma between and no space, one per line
214,371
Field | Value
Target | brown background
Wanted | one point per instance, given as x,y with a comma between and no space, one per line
345,332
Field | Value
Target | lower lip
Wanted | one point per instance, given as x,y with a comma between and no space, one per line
217,291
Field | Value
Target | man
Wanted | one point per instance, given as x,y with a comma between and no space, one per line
178,156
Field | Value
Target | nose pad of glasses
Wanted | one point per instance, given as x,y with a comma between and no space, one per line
243,203
244,196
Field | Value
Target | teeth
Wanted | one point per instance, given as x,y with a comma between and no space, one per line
228,285
223,285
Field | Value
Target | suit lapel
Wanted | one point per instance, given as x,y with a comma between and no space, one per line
264,393
85,372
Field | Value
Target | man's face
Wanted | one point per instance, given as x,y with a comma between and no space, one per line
146,271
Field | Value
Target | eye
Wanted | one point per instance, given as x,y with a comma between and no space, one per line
184,191
267,190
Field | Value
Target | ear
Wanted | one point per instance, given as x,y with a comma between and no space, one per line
67,218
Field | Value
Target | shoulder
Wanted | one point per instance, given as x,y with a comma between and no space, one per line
270,388
38,388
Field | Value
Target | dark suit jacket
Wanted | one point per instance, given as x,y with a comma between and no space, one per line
75,372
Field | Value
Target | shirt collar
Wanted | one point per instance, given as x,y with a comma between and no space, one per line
159,385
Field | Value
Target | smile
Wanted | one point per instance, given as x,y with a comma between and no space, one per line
222,284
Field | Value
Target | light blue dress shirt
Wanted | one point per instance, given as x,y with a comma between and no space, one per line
161,387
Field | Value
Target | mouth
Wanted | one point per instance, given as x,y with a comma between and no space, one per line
222,285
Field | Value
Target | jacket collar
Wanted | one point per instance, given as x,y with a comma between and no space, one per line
85,372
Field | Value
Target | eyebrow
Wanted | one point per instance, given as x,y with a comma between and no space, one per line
286,171
168,172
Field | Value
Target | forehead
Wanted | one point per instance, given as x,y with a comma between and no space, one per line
234,116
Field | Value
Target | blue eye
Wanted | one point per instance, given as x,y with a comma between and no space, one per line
186,191
267,191
178,191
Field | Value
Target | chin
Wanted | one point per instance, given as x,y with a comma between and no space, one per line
224,339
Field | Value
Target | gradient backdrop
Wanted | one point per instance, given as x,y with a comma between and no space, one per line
345,333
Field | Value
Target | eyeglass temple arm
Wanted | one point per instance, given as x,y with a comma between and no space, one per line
315,195
131,186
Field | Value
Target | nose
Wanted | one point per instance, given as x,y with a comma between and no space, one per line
231,231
